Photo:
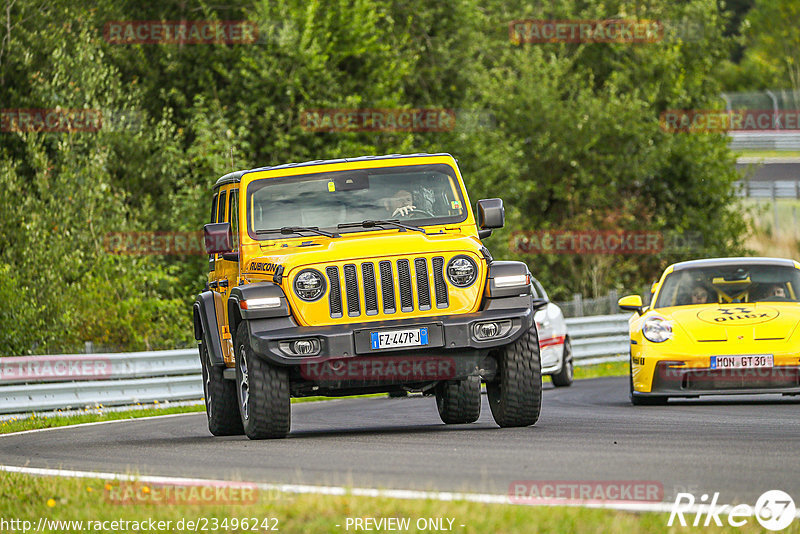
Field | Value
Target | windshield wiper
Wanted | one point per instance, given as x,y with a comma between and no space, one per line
380,223
287,230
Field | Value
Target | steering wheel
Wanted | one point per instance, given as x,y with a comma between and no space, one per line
420,214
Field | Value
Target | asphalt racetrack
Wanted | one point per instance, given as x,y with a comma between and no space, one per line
737,446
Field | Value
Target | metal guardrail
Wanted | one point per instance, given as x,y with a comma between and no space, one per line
772,189
764,141
37,383
600,335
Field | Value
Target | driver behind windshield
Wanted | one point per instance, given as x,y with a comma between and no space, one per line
402,203
774,292
700,295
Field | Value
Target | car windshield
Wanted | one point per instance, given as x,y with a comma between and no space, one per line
726,284
415,195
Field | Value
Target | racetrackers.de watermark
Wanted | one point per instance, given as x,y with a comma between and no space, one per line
604,242
538,31
64,120
582,492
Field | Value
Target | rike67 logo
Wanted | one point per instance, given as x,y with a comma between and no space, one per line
774,510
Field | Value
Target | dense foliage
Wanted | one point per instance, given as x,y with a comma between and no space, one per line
567,133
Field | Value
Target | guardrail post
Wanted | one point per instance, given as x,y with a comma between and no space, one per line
88,347
612,302
577,301
775,207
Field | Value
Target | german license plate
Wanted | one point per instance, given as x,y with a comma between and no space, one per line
741,362
399,338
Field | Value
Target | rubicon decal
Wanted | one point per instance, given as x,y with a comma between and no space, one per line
738,315
265,267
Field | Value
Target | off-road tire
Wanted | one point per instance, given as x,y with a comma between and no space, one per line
459,401
222,406
515,394
565,376
264,404
637,400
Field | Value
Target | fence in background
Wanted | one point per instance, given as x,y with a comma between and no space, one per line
38,383
764,141
769,189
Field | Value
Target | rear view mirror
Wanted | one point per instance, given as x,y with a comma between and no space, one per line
654,287
539,303
218,237
631,303
490,214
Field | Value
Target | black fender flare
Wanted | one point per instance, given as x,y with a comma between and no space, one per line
258,290
204,315
504,269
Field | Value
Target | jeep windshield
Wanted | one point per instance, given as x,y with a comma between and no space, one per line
729,284
413,196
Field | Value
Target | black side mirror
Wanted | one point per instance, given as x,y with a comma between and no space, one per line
539,303
490,214
218,237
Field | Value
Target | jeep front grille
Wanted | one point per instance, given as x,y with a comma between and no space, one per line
351,288
438,282
370,291
410,291
335,295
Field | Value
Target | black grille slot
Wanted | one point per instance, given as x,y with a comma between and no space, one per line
351,286
423,287
335,295
404,276
387,286
439,285
370,291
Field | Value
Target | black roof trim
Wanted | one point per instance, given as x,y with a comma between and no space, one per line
235,177
230,178
722,262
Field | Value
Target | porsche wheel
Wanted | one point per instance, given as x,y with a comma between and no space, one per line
638,400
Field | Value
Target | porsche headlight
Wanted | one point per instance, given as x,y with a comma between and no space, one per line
657,329
462,271
309,285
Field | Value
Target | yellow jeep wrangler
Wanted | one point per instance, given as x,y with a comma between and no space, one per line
355,276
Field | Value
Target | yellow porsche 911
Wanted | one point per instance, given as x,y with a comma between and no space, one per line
717,326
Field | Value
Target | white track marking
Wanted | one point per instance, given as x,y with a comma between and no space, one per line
484,498
128,420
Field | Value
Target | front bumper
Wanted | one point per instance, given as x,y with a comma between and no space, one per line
450,335
669,380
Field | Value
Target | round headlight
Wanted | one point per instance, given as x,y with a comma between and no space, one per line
462,271
657,329
309,285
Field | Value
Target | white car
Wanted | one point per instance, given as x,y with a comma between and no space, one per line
554,344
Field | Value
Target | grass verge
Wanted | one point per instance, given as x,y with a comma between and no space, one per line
602,369
29,498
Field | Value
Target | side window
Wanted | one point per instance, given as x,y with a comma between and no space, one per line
214,209
233,216
221,207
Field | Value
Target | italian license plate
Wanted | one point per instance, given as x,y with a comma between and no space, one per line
741,362
399,338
